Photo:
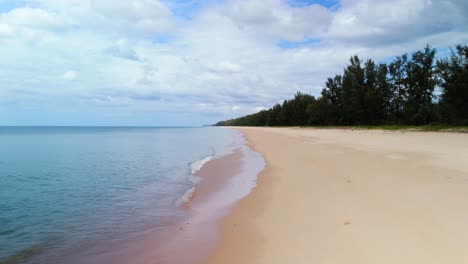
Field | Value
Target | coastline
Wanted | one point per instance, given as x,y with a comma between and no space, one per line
221,180
341,196
192,240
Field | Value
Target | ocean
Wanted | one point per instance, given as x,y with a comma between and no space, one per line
68,193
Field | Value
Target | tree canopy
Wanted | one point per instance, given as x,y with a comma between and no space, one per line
411,90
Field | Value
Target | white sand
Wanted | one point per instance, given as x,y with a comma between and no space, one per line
342,196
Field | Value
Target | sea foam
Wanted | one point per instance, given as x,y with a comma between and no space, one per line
194,168
197,165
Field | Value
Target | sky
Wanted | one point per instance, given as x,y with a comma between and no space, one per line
190,63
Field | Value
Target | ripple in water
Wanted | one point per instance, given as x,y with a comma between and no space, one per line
70,193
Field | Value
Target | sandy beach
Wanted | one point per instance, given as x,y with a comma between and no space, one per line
343,196
192,240
220,183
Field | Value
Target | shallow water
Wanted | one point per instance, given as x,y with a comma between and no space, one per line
81,191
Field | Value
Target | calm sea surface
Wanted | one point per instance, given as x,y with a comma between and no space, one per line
71,188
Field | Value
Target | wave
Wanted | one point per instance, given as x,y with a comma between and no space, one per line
185,198
197,165
194,168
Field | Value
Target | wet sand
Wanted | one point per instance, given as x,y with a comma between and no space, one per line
214,176
221,182
343,196
192,240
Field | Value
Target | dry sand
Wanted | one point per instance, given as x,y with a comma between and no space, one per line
342,196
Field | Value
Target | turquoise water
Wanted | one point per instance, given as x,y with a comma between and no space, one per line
68,189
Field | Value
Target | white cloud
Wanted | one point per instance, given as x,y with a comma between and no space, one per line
6,30
132,17
260,108
69,75
383,22
122,49
279,20
226,67
143,16
222,62
32,17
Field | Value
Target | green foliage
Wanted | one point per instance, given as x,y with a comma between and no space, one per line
366,94
453,76
421,83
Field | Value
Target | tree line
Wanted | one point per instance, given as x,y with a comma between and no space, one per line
402,92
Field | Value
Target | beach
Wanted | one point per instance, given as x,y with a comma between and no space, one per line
351,196
220,182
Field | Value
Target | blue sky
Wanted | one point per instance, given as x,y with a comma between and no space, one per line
303,3
187,62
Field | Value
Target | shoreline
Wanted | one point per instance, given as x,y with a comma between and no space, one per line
221,181
192,240
343,196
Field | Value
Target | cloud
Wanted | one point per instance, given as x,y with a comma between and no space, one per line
32,18
69,75
277,19
130,18
214,60
6,30
33,25
122,49
260,108
382,22
226,67
143,16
